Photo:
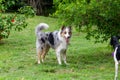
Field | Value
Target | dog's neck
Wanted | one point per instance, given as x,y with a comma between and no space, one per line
114,41
115,44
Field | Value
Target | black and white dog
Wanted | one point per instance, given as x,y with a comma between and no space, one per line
115,43
58,40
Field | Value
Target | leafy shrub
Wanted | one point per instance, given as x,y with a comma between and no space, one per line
14,21
12,5
27,11
5,4
99,18
9,22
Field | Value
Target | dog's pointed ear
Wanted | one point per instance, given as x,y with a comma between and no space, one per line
62,27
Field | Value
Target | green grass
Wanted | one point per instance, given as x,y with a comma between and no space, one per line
88,61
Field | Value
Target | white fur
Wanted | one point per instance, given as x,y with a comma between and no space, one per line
60,50
116,64
60,44
46,26
67,34
40,27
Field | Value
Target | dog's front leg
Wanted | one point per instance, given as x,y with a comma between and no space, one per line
116,70
58,57
64,57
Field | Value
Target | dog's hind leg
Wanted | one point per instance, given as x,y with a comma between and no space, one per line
38,56
116,70
45,50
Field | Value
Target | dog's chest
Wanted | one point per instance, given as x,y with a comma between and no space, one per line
56,41
62,46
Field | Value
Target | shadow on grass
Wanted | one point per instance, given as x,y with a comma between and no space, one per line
93,59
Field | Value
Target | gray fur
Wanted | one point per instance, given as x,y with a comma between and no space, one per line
51,39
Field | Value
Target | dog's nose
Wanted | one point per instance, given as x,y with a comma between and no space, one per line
68,37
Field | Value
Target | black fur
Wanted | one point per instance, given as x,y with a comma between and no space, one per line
115,43
41,47
118,53
43,40
51,38
46,34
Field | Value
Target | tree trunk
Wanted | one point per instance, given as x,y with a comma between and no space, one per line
41,6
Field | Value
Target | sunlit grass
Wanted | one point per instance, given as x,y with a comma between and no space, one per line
88,61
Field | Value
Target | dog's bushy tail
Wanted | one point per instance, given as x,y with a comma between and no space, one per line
40,27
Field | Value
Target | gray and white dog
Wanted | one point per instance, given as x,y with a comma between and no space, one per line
58,40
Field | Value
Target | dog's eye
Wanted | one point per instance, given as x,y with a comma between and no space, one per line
64,32
69,32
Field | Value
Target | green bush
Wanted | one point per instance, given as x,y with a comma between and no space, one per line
12,5
9,22
99,18
13,21
5,4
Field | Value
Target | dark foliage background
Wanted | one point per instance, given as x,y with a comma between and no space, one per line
99,18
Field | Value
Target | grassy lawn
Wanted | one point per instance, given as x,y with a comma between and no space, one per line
88,61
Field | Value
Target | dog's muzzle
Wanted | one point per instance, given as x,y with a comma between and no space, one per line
67,40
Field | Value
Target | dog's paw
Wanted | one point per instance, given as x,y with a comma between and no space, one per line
59,63
67,64
39,62
42,61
